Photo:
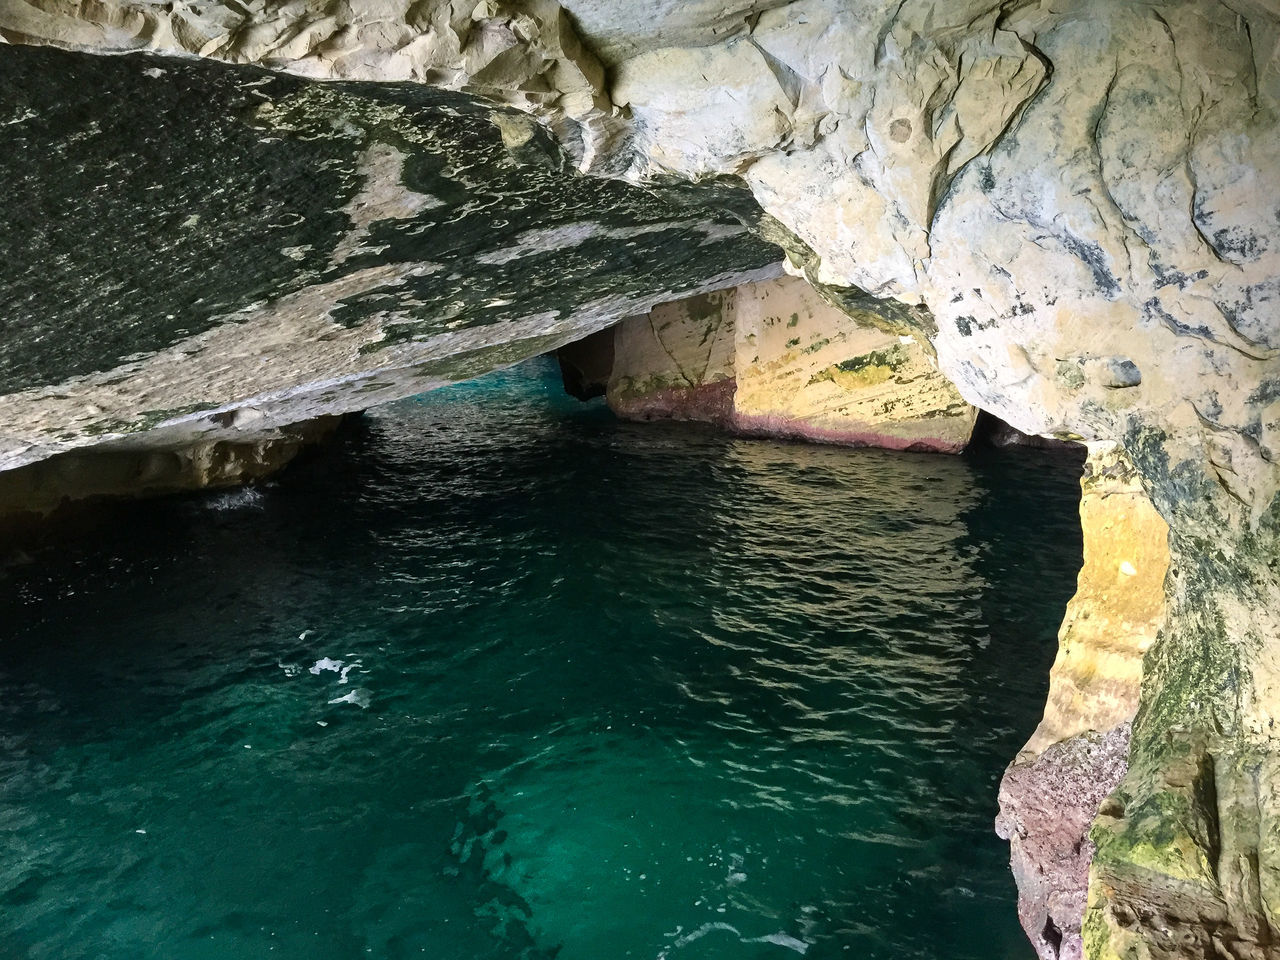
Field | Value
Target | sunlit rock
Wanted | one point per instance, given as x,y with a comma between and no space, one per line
808,370
1074,202
774,359
677,361
1076,757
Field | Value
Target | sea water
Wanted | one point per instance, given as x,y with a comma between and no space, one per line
498,677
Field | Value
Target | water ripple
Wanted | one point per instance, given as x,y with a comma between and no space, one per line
499,678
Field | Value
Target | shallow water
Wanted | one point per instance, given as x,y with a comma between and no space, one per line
500,677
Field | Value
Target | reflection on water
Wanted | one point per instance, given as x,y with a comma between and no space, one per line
499,677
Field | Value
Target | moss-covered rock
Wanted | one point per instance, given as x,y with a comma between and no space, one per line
185,239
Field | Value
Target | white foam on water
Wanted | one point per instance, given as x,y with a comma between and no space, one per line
324,663
782,940
698,935
701,932
359,696
342,677
235,499
778,939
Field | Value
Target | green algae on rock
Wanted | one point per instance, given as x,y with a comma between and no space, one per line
186,239
776,359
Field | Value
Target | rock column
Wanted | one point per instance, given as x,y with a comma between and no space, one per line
1188,845
1052,791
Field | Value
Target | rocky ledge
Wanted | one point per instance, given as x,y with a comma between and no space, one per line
201,254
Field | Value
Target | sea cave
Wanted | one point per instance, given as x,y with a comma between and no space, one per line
579,479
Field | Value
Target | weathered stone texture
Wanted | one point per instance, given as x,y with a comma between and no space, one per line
676,362
1080,200
805,369
774,359
1051,793
1048,801
125,469
1118,608
197,253
523,53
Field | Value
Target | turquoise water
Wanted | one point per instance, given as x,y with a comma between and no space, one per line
499,677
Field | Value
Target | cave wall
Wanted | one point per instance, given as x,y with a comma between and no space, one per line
807,370
677,361
775,359
1051,793
126,469
199,253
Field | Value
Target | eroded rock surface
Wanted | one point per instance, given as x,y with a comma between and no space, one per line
200,253
526,54
133,468
1051,793
805,369
1048,802
1118,609
774,359
677,361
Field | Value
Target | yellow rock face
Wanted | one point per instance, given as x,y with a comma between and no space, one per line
1118,607
676,362
774,358
1052,793
806,369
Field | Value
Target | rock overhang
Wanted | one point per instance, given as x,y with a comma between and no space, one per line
201,247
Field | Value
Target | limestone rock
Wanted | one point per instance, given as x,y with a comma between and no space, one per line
1051,793
1048,801
1078,202
133,469
276,250
805,369
525,54
774,359
1118,609
677,361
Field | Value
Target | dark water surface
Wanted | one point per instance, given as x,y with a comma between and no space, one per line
498,677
